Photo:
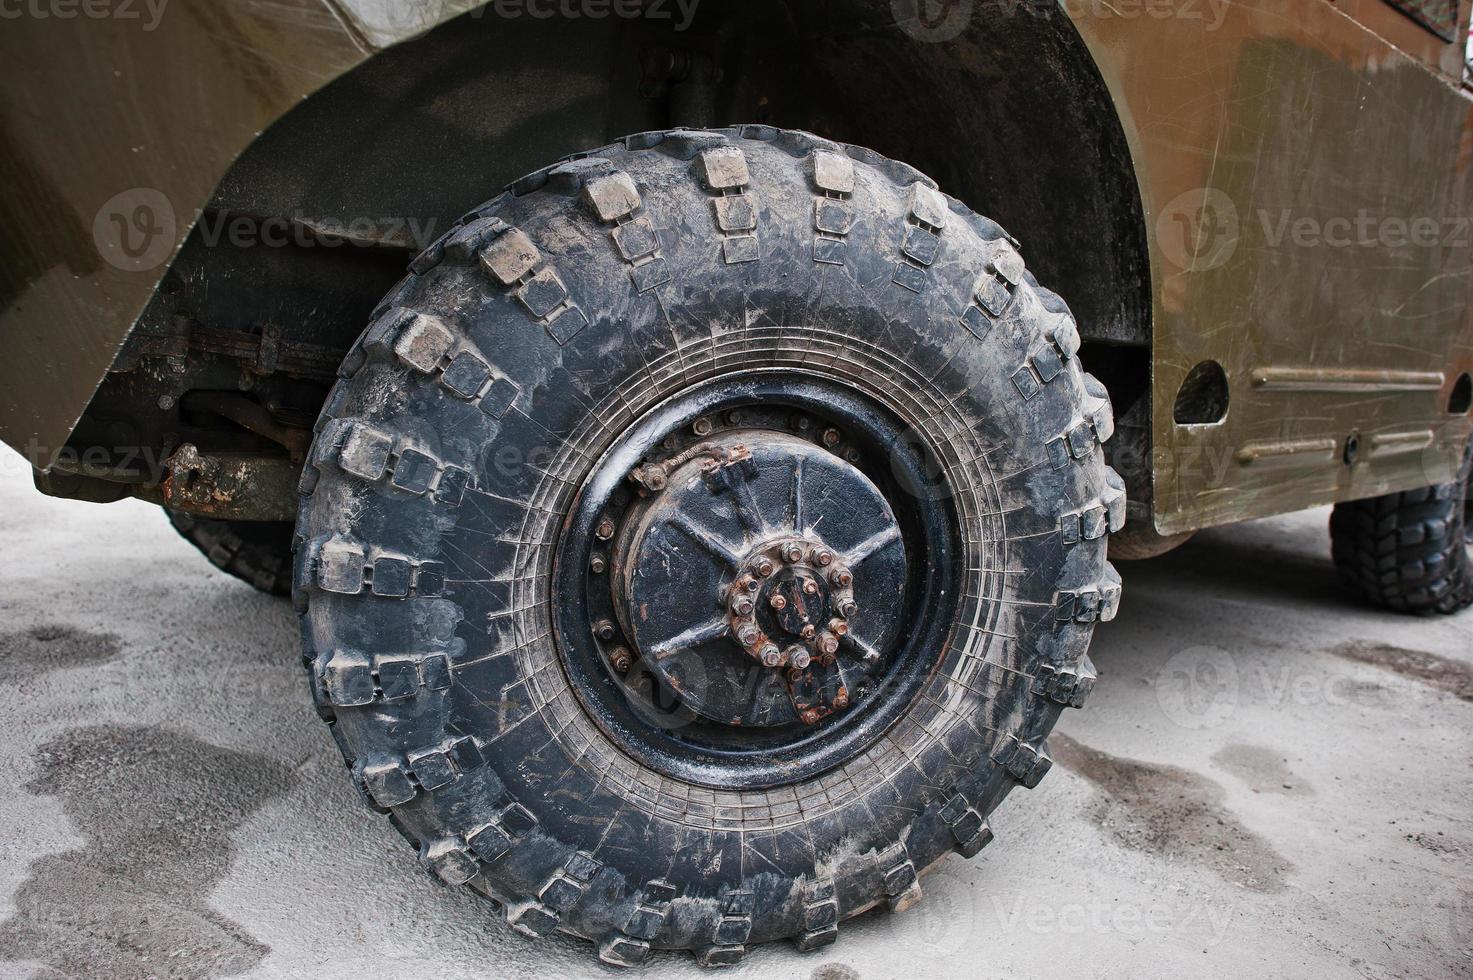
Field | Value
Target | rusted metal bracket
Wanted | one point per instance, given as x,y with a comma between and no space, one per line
231,486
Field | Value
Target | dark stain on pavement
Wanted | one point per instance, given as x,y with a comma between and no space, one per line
1172,813
27,654
1263,769
157,808
1452,676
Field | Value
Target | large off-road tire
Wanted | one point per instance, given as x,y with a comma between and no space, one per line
633,386
1412,551
259,553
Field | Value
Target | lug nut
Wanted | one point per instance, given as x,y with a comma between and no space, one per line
748,635
838,627
823,558
801,659
701,427
598,564
849,608
742,606
620,659
605,529
810,587
764,567
831,437
792,553
841,578
771,656
808,632
828,643
605,630
841,700
777,602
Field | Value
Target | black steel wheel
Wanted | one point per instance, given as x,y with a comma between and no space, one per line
258,553
703,540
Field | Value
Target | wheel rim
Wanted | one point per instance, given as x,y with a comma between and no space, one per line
756,579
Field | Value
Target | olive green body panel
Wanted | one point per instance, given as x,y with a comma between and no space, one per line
1268,113
1307,200
122,126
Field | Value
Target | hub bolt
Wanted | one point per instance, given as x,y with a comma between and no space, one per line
777,602
605,529
831,437
838,627
823,558
828,643
801,423
764,567
701,427
841,700
771,656
605,630
801,659
620,659
748,635
742,606
734,417
849,608
810,587
792,553
808,632
598,564
841,578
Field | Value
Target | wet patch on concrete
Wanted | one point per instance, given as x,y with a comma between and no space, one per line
835,971
28,654
1172,813
157,809
1441,673
1265,770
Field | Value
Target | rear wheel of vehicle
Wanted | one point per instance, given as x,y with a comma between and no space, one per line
259,553
703,540
1412,551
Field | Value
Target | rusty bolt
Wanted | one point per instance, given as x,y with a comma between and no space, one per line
849,608
605,529
809,716
810,587
822,557
792,553
764,567
841,700
655,479
777,601
621,660
801,423
838,627
701,427
605,630
795,675
829,660
828,643
742,606
772,656
748,635
801,659
753,585
598,564
831,437
841,578
808,632
734,417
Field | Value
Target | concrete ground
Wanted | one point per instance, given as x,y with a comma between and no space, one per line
1268,781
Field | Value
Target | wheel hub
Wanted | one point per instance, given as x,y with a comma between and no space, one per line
734,576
